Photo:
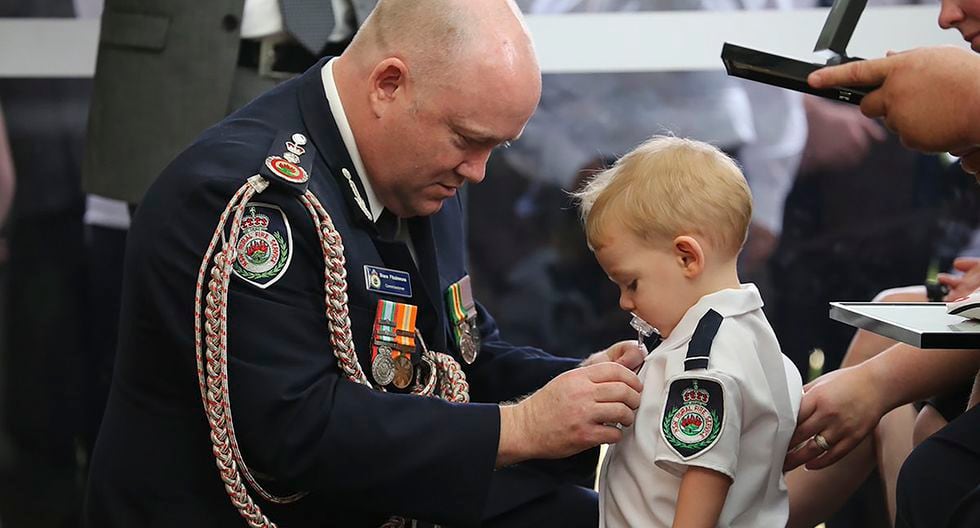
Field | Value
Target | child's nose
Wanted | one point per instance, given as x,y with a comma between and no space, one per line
626,303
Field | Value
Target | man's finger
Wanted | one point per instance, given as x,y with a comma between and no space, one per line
873,105
609,371
617,392
614,413
858,73
632,356
607,434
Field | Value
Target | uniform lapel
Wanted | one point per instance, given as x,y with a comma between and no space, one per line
420,229
394,254
326,136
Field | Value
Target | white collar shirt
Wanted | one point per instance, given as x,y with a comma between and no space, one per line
340,117
761,388
372,206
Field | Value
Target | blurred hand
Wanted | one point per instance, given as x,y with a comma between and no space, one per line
844,407
629,354
759,245
929,96
568,415
839,136
962,285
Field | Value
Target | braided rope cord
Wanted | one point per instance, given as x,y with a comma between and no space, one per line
444,373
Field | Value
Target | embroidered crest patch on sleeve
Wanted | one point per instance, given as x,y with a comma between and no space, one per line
693,415
265,245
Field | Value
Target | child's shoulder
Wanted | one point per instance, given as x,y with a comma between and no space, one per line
742,346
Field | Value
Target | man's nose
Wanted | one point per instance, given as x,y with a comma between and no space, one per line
949,15
474,167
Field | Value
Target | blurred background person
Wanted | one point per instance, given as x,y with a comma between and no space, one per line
45,120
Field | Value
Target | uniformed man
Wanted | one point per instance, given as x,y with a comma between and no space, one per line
236,352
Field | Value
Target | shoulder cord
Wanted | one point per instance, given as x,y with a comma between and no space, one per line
212,365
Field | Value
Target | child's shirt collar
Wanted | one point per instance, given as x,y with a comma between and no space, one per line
728,303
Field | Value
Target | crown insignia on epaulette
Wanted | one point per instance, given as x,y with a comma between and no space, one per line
287,165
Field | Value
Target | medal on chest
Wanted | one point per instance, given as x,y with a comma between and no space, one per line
462,312
393,344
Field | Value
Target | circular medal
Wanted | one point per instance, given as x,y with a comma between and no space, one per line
383,368
404,372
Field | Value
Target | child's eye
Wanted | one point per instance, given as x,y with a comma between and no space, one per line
632,285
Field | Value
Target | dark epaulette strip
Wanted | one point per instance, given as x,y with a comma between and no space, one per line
289,162
699,350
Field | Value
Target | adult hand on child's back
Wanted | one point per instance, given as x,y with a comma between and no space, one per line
843,407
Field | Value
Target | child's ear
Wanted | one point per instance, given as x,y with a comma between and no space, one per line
689,255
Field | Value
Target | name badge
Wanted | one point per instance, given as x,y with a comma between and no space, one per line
387,281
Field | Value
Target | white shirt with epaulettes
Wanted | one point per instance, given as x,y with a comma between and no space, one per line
718,393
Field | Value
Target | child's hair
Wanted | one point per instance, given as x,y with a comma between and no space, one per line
668,187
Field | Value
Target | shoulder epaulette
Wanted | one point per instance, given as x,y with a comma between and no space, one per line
699,349
289,162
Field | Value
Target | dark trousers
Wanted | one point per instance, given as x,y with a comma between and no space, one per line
938,484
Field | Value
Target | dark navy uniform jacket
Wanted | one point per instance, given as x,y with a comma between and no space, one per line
361,454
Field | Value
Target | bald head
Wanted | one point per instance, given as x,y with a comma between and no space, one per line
429,88
437,39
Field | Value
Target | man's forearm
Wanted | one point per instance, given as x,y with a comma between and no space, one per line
906,373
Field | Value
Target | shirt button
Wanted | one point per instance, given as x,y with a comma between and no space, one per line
229,22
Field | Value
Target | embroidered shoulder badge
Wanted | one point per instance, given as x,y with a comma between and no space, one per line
265,245
693,415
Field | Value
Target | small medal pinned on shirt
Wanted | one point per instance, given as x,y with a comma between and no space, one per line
393,344
288,163
462,311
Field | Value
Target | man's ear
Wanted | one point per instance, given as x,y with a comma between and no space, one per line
689,255
387,83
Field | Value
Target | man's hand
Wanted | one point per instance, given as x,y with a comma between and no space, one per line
843,407
962,285
929,96
570,414
629,354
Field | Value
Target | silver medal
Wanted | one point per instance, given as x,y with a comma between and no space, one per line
383,368
468,343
